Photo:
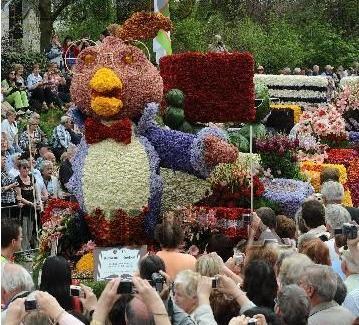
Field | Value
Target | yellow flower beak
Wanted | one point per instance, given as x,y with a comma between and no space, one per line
106,86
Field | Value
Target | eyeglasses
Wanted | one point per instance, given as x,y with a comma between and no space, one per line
25,167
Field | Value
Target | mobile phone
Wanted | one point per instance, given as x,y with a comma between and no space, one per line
30,304
252,321
238,258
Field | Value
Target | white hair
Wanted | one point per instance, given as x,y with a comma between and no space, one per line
64,119
188,281
292,268
333,192
46,163
336,215
15,278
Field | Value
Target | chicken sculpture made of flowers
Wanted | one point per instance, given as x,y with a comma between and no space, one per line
116,168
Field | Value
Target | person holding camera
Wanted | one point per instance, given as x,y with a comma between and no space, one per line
14,92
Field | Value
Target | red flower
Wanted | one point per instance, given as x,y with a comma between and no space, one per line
57,204
218,87
342,156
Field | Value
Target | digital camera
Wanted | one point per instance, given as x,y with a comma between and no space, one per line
157,281
125,287
348,230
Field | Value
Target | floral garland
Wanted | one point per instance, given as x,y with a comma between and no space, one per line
121,229
341,156
288,193
312,171
212,83
297,110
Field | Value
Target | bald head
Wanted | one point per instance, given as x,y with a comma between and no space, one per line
138,314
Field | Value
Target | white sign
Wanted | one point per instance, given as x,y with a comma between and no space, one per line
112,262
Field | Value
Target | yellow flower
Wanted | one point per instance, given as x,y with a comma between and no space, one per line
347,201
86,263
312,170
106,106
297,110
105,80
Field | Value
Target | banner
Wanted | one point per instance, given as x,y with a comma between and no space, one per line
162,42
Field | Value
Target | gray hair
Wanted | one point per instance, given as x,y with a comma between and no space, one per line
350,261
292,268
46,163
188,281
323,279
209,264
333,192
336,215
64,119
294,304
15,278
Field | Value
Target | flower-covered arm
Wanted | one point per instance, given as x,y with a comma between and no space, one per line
195,154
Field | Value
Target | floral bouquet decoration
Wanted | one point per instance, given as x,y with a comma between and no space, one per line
279,154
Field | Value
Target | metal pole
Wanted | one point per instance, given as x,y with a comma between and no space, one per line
251,160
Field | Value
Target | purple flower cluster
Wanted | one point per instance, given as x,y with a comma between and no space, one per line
354,137
276,143
288,193
74,185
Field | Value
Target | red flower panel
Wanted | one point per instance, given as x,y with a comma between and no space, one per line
218,87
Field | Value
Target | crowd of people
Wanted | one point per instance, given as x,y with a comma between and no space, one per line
288,271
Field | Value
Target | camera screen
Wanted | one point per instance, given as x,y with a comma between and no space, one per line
75,292
30,304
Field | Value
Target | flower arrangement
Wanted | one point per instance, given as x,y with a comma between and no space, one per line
231,182
218,87
295,89
288,193
278,153
325,121
297,110
310,149
200,222
348,98
341,156
312,171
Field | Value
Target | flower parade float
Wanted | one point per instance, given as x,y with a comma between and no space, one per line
116,178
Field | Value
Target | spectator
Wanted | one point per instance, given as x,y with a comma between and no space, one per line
292,305
14,165
56,280
50,184
16,282
136,312
13,92
9,127
8,194
297,71
313,215
220,244
42,150
11,237
117,314
350,268
54,79
260,69
287,71
269,220
69,52
333,193
151,264
61,137
286,227
31,134
65,170
341,73
191,294
170,236
38,88
341,291
54,51
283,254
335,216
320,283
19,72
209,265
317,251
260,283
267,253
351,302
316,71
292,268
26,196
